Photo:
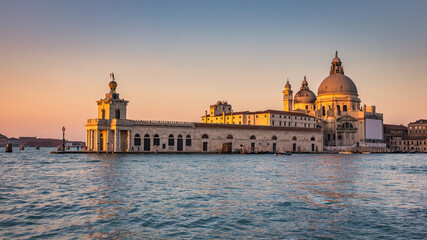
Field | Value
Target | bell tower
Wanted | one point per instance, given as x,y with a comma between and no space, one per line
287,97
112,107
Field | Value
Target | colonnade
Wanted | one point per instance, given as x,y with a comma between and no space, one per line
93,140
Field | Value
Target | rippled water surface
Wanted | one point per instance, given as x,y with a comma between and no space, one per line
46,196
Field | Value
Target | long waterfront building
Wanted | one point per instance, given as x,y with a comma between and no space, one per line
111,131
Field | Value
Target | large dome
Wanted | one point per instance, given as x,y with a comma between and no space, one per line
337,83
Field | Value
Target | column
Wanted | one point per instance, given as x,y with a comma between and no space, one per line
107,143
117,140
90,147
129,141
87,138
93,140
97,140
119,147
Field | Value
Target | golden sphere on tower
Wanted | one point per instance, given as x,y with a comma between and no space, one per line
112,86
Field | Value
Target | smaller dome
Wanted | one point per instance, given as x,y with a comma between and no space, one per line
113,86
305,96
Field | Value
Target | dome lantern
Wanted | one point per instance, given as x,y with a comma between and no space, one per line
337,65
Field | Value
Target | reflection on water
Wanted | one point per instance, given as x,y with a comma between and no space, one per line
212,196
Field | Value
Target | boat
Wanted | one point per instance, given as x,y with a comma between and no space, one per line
37,147
345,152
282,153
21,147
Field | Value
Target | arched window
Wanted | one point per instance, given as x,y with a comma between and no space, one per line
171,141
156,140
205,136
273,138
188,140
137,140
229,137
252,137
323,111
312,139
344,108
339,108
306,106
294,138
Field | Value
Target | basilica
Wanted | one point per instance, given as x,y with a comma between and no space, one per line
337,107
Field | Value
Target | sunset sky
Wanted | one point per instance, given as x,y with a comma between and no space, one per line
172,59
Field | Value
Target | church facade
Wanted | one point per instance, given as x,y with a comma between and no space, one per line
345,122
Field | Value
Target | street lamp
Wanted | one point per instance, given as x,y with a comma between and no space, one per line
63,139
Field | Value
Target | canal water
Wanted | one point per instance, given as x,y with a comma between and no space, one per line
372,196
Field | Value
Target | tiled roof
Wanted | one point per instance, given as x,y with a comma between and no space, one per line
265,111
258,127
421,121
395,127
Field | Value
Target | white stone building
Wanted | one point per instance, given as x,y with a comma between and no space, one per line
113,132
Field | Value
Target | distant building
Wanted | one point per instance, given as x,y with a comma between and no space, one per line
416,140
3,140
34,141
393,135
418,128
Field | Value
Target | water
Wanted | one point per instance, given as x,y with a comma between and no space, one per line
44,196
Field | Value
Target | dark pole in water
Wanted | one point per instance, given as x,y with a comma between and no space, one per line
63,139
8,147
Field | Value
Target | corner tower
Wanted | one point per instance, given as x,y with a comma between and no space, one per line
287,97
112,107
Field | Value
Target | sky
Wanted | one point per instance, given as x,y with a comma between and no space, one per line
172,59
